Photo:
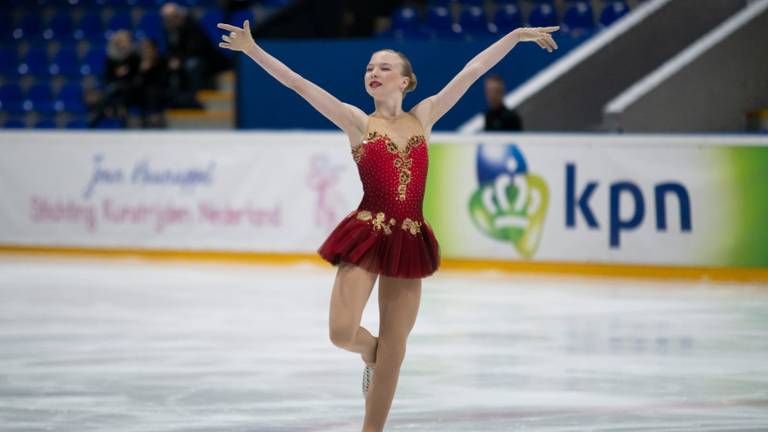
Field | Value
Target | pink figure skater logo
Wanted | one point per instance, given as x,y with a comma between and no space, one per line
322,177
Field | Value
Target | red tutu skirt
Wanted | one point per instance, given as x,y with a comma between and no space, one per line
384,248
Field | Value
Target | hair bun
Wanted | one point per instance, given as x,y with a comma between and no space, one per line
411,83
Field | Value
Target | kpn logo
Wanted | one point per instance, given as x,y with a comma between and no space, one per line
510,203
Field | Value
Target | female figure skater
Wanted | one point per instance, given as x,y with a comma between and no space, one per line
386,237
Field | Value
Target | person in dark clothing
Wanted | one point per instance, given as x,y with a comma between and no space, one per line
193,60
151,84
120,71
498,117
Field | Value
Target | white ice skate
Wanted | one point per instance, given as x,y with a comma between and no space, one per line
367,377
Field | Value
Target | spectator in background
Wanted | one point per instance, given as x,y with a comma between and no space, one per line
120,71
151,85
498,117
193,60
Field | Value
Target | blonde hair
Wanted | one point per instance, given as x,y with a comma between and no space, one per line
407,70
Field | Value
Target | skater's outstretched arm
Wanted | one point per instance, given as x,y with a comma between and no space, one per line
432,108
347,117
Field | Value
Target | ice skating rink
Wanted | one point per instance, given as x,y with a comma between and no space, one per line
139,346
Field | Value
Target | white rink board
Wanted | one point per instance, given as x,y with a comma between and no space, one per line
285,191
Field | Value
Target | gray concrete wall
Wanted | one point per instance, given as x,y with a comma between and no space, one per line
575,100
713,91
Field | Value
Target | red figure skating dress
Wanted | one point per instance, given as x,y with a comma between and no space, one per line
387,233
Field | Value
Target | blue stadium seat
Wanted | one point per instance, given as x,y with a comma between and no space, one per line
439,23
110,123
405,23
65,62
60,27
477,3
150,4
472,21
210,18
189,3
45,123
150,26
117,5
121,20
578,16
70,99
29,29
14,124
93,62
90,27
11,98
508,18
543,15
77,123
9,61
275,3
612,12
39,99
441,3
6,23
241,15
34,62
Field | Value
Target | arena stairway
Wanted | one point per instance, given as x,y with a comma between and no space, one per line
218,110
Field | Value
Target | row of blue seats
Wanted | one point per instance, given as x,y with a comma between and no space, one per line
40,98
438,20
26,4
65,62
47,123
63,27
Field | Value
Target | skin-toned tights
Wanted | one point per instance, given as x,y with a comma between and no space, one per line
398,306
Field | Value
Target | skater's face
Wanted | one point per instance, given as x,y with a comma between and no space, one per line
384,75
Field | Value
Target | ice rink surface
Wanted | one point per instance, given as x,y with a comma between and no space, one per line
140,346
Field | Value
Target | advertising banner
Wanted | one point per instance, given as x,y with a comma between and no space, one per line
673,200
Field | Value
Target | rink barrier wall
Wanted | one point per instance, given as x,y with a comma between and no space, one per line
447,264
691,205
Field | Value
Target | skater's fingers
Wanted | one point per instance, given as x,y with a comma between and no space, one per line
227,27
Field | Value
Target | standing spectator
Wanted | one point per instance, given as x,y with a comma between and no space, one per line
193,60
151,85
120,71
498,117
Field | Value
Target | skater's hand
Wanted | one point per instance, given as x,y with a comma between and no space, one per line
540,35
238,39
